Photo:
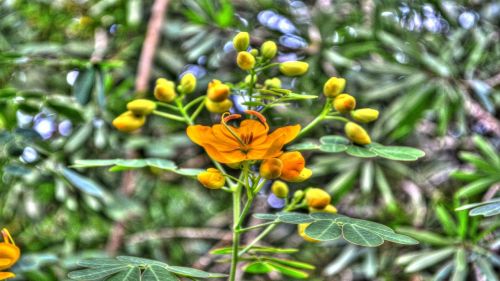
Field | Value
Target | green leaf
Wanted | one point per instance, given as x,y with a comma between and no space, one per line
360,151
324,230
460,272
132,274
304,146
100,262
140,261
83,183
192,272
333,144
487,210
82,88
333,139
475,187
292,263
401,153
289,271
266,216
95,273
430,259
158,273
258,268
294,218
360,236
255,249
426,236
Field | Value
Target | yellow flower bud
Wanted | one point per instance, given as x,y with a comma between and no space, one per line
356,133
304,175
212,178
328,209
333,87
217,91
273,83
218,107
241,41
280,189
271,168
188,83
365,115
344,103
248,79
165,90
293,164
245,60
294,68
302,232
254,52
128,122
317,198
141,106
268,49
298,195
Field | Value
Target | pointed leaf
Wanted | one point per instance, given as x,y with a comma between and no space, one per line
132,274
323,230
158,273
95,273
361,236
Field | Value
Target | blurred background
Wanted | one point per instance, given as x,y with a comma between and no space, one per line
432,68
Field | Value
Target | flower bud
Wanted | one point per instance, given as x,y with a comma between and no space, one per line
328,209
344,103
218,107
212,178
333,87
268,49
254,52
280,189
356,133
128,122
273,83
294,68
165,90
271,168
217,91
298,195
188,83
293,164
245,60
304,175
365,115
302,232
141,106
317,198
241,41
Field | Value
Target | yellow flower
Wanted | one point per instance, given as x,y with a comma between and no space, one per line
302,232
271,168
188,83
273,83
218,107
333,87
9,254
344,103
217,91
356,133
212,178
317,198
141,106
294,68
280,189
328,209
365,115
241,41
128,122
294,167
269,49
251,141
245,60
165,90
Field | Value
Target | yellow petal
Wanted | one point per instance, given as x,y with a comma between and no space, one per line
6,275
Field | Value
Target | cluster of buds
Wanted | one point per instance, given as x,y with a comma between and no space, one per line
249,59
346,104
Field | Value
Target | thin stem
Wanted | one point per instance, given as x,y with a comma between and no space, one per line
193,102
166,105
257,239
198,110
168,116
241,230
317,120
187,119
236,217
267,66
340,118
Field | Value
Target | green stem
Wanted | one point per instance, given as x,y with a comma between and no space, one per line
198,110
267,66
340,118
236,217
166,105
257,239
317,120
251,85
256,226
187,119
193,102
168,116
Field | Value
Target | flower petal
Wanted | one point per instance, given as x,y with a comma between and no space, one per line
290,133
203,135
5,275
225,157
270,149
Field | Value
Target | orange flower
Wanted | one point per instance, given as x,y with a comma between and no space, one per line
294,169
9,254
251,141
